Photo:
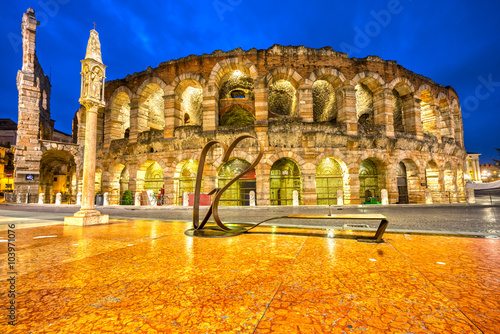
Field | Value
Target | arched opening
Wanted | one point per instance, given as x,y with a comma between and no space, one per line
238,194
368,181
151,108
114,190
329,179
324,102
428,116
150,177
124,181
98,180
189,97
285,178
185,179
57,175
402,181
282,99
236,98
120,116
432,181
364,108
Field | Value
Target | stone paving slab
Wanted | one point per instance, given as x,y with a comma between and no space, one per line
143,276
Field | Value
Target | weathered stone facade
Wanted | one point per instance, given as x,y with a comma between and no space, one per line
38,150
373,121
330,125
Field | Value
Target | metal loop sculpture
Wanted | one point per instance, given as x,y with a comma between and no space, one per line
214,207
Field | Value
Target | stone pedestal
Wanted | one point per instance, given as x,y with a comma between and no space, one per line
89,217
41,198
58,198
295,198
340,197
252,198
137,199
106,199
471,197
79,199
384,197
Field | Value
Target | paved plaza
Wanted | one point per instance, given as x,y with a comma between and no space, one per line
144,275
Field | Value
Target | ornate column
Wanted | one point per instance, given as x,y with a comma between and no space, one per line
92,98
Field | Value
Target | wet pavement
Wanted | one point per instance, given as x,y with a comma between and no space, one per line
147,276
449,219
137,276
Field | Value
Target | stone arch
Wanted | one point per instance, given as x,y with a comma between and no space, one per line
285,177
117,120
371,173
150,176
368,86
240,154
229,65
408,184
150,98
184,178
58,174
283,92
238,194
402,101
330,177
327,94
188,101
114,183
275,157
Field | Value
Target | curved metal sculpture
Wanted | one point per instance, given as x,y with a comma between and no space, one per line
214,207
231,231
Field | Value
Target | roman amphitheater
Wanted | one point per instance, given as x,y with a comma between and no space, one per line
330,125
327,122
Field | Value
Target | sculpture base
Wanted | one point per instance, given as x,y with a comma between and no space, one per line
86,220
215,232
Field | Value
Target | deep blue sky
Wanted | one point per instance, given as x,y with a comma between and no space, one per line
454,43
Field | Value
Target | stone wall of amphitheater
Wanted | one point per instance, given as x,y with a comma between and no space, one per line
328,122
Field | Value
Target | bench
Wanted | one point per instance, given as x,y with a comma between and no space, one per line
360,216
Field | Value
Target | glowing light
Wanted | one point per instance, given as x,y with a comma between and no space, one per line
237,72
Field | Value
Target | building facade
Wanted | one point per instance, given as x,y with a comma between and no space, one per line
330,125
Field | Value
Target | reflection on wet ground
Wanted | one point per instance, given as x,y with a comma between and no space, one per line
137,276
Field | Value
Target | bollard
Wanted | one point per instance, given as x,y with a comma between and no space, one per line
185,199
18,197
252,198
58,198
340,197
41,198
79,199
106,199
384,196
471,197
295,198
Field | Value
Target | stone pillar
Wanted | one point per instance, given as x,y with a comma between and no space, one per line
210,109
185,199
471,197
412,117
58,198
252,198
137,199
306,104
173,117
383,111
262,181
261,107
295,198
134,120
79,199
351,189
92,98
347,111
41,198
106,199
340,197
309,189
384,196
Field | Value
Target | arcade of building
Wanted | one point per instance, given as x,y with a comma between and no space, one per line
328,122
